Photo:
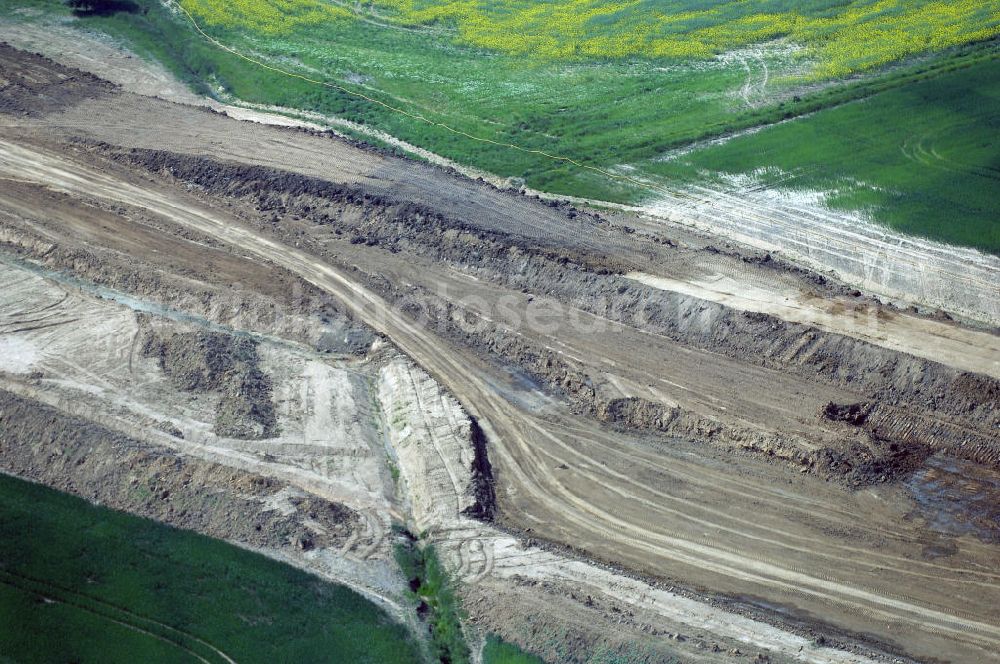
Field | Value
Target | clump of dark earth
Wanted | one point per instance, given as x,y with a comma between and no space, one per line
482,488
224,364
854,413
37,86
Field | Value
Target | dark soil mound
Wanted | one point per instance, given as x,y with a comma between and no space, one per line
31,85
216,362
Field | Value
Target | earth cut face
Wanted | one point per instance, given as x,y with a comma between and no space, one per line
495,420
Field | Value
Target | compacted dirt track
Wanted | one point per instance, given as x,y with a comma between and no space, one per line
688,493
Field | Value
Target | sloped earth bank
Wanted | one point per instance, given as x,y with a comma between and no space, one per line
871,257
179,479
697,446
507,582
85,410
507,266
72,454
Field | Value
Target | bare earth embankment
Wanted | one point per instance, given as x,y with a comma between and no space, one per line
714,451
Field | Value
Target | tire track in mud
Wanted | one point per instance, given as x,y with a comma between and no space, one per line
661,495
850,517
633,457
520,432
647,525
730,554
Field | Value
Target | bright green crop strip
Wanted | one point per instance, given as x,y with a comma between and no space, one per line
923,158
497,651
84,583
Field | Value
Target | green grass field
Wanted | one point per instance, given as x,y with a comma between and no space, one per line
80,583
931,146
497,651
613,84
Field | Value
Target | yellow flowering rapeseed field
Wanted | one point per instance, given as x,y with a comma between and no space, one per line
843,37
264,16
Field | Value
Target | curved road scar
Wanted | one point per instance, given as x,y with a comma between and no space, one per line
617,496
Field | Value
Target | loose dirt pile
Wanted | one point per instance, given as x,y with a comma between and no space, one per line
228,365
38,86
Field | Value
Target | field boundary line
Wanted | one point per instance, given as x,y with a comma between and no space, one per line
642,184
402,111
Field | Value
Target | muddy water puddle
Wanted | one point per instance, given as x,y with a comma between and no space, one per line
958,498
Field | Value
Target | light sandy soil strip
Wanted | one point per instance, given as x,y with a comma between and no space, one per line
528,449
875,259
954,345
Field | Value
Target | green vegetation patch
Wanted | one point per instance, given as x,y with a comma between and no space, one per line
497,651
80,583
923,158
439,605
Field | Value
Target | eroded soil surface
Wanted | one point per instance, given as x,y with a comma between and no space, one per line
639,433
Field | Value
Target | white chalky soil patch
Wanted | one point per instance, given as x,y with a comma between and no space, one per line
18,355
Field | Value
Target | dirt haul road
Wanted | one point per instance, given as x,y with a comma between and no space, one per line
670,505
126,120
618,500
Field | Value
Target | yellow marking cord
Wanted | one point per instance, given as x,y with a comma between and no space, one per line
402,111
